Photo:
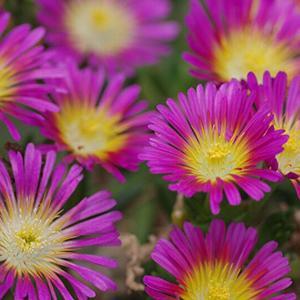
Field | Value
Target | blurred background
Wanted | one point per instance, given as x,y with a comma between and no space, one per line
146,202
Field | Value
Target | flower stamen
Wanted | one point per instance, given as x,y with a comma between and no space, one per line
218,152
100,18
90,131
28,239
257,53
211,157
289,159
216,291
104,27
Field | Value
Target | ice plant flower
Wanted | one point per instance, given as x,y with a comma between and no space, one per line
122,35
40,243
229,39
285,105
98,124
212,141
215,266
22,63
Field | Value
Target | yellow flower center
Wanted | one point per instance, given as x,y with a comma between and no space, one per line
210,156
289,159
217,292
217,281
28,239
99,18
30,243
91,131
105,27
248,50
218,152
6,82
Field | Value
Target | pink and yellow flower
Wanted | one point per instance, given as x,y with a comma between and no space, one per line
214,267
212,142
284,102
39,242
22,62
119,34
229,39
98,124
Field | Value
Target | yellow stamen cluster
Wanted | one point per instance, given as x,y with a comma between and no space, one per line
30,242
105,27
28,239
217,292
90,130
6,82
289,159
247,50
218,152
210,156
99,18
217,281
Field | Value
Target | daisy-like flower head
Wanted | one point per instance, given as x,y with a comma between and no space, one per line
231,38
212,141
214,267
98,123
119,34
22,63
285,105
39,242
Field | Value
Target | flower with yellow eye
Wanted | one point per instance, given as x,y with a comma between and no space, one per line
212,141
214,266
284,102
99,122
23,65
41,243
229,38
118,34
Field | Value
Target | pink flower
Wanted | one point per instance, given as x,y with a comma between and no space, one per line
230,38
119,34
212,141
98,123
284,103
215,265
22,62
40,243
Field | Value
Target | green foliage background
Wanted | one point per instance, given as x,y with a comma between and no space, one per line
144,199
